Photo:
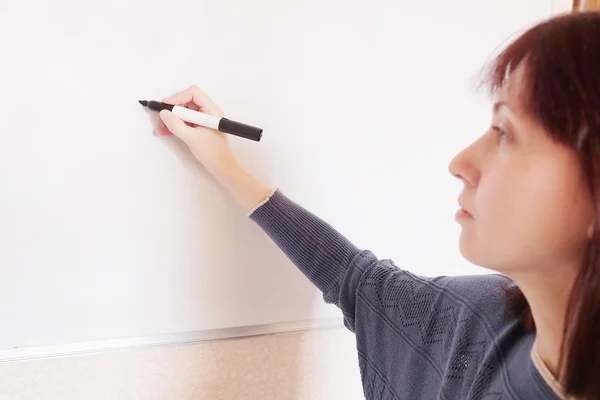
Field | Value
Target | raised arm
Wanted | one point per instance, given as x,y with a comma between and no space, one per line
325,256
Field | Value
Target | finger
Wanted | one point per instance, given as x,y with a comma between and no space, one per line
162,131
194,95
192,106
175,125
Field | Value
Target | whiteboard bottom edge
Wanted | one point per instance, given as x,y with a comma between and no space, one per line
168,339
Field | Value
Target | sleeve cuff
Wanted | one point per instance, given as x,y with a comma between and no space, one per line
266,199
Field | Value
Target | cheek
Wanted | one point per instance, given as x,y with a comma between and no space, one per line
501,204
525,217
488,239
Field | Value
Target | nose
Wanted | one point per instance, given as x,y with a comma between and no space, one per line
463,167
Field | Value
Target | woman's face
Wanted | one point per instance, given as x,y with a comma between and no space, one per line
528,202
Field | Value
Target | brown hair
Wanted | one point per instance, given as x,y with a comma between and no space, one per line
562,91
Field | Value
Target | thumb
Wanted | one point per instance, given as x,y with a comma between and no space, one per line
175,124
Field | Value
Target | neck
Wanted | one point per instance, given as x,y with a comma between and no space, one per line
547,292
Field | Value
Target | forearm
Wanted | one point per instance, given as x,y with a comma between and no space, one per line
248,190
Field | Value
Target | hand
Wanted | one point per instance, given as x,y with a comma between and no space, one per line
209,146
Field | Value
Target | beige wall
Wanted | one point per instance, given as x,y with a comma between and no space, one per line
318,364
562,5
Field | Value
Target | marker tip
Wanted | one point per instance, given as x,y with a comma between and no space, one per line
143,102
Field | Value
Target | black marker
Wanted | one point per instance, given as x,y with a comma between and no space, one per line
221,124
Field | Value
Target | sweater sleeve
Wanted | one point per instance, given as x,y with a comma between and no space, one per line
327,258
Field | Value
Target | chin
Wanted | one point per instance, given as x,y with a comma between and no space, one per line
470,250
474,253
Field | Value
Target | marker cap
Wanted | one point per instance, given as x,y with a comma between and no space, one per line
240,129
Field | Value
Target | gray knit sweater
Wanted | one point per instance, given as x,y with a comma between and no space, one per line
446,337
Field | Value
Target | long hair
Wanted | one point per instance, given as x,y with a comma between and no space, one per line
562,91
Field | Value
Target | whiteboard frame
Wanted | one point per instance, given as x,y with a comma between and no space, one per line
169,339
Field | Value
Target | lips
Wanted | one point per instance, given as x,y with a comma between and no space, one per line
462,213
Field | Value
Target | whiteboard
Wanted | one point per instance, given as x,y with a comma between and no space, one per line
108,232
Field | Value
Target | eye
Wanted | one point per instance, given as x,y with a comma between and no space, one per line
501,133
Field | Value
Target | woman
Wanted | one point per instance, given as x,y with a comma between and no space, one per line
531,185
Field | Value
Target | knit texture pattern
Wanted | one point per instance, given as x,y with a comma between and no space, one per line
417,337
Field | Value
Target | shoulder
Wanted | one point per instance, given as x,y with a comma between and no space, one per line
444,329
484,294
481,297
